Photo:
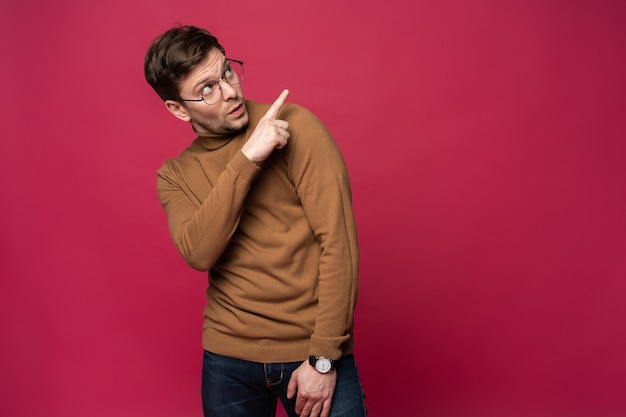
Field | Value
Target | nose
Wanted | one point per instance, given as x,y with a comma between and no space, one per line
228,91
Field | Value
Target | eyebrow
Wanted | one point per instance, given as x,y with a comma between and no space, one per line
204,81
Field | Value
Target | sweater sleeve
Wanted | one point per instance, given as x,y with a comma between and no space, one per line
321,180
202,229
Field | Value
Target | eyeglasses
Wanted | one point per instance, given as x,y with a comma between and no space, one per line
212,91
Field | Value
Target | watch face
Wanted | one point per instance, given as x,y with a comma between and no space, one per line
323,365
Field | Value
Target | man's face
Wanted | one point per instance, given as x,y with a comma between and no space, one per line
228,115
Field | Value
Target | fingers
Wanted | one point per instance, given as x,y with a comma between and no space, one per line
275,108
269,134
313,408
311,404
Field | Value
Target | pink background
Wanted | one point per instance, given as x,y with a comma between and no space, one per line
486,146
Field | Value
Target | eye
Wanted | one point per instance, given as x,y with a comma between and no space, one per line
206,90
228,72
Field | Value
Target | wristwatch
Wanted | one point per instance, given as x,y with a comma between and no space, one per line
322,364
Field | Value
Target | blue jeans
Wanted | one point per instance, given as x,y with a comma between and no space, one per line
238,388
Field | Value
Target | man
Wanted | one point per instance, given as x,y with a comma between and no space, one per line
260,199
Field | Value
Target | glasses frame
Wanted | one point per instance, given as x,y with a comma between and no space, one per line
217,82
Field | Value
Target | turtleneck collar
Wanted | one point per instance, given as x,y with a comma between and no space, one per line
212,141
215,141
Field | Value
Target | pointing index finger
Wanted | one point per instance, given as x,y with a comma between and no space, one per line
273,111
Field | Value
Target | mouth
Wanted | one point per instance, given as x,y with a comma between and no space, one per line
237,110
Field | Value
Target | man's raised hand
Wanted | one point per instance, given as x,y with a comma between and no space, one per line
271,133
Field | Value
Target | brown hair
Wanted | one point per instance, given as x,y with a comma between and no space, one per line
173,55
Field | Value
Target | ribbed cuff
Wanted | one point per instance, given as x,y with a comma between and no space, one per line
245,167
327,348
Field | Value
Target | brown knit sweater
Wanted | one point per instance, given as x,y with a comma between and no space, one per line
279,241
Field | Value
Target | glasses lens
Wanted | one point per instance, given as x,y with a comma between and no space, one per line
211,94
235,75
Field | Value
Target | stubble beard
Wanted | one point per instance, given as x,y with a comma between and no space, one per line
223,126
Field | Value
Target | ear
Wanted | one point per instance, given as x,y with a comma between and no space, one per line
178,110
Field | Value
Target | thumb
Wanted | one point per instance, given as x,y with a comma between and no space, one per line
292,386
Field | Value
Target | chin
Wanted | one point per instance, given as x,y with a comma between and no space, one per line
241,122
